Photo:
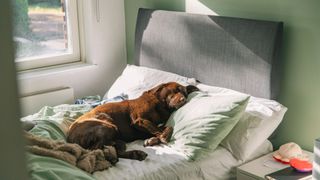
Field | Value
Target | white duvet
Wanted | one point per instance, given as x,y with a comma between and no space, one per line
165,163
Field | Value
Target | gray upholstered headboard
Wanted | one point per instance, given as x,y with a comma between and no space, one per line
235,53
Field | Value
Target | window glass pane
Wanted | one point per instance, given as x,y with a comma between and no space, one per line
40,28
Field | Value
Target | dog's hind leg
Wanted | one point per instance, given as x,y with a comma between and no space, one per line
92,134
133,154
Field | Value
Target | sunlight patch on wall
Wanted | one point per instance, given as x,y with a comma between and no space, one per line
195,6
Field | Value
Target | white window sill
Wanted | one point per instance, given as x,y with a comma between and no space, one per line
41,72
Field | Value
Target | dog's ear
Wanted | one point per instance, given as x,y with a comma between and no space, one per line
191,88
157,88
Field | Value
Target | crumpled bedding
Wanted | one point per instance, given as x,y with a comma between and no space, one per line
87,160
165,163
162,161
53,122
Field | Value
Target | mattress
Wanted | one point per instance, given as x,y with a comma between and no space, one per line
165,163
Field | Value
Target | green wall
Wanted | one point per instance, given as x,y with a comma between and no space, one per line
300,54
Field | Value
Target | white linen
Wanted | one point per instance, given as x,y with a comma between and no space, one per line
134,80
165,163
261,118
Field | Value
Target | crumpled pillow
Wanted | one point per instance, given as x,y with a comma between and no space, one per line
204,121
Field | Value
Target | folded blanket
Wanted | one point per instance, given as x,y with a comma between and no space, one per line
87,160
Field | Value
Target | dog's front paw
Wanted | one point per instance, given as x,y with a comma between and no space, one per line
166,135
152,141
138,155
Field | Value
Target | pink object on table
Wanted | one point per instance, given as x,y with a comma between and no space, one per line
301,165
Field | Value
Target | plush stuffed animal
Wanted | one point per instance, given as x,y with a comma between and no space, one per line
87,160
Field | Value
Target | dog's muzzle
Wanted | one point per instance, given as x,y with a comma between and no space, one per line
177,101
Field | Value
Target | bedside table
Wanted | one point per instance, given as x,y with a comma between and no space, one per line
258,168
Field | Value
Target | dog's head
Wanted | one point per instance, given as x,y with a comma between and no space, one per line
174,95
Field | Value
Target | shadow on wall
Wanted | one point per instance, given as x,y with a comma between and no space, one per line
176,5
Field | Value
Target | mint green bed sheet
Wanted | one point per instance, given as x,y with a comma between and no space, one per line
52,122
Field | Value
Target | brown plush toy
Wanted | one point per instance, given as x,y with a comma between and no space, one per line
87,160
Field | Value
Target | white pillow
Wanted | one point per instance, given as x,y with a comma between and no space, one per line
134,80
261,118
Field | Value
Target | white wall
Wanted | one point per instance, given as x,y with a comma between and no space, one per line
105,53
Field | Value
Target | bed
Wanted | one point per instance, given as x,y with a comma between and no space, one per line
234,53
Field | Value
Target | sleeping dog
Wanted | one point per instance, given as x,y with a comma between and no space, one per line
126,121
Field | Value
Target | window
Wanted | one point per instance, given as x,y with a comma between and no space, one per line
46,33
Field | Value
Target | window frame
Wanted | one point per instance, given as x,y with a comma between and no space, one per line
73,28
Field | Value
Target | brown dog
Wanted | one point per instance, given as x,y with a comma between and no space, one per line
141,118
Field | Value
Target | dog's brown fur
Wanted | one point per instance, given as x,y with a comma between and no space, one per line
141,118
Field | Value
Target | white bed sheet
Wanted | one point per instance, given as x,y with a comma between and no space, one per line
165,163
